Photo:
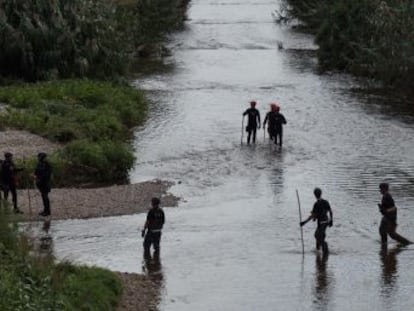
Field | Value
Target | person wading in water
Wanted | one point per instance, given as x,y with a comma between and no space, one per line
320,211
389,220
152,228
276,122
253,121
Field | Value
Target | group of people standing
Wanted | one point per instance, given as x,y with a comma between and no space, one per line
274,119
9,179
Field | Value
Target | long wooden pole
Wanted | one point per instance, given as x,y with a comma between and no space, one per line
300,220
28,191
242,131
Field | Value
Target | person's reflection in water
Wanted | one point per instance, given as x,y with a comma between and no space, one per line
46,239
389,269
322,283
153,269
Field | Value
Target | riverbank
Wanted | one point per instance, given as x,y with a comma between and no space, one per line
365,38
139,292
71,203
78,203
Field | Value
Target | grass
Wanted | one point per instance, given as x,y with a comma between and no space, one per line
92,120
371,38
33,282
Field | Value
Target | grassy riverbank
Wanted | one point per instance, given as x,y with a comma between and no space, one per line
92,121
30,281
372,38
67,44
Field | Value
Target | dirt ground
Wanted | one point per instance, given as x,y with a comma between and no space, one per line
70,203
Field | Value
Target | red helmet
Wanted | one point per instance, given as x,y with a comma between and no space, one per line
274,107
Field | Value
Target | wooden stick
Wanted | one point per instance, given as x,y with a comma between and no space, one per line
242,131
300,220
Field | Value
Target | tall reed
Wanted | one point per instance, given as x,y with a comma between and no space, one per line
374,38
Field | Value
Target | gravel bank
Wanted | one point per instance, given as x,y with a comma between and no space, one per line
70,203
24,144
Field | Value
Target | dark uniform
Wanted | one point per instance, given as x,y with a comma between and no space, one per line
389,220
9,179
155,222
43,173
320,213
1,181
253,122
275,127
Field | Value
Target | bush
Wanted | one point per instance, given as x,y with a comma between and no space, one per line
374,38
55,39
60,39
32,282
93,119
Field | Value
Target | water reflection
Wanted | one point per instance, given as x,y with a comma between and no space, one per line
46,239
323,281
389,270
152,267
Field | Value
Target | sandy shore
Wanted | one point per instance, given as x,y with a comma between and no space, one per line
140,292
24,144
70,203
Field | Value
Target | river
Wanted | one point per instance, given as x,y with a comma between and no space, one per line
234,241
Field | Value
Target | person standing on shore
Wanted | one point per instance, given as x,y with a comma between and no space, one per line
153,227
389,220
320,211
42,174
9,180
253,121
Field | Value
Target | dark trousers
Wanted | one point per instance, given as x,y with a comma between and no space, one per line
320,236
251,131
152,238
278,134
10,188
46,202
388,227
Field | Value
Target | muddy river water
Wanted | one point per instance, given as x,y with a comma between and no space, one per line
234,241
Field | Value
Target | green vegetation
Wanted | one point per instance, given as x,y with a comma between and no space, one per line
374,38
50,40
54,39
34,282
92,120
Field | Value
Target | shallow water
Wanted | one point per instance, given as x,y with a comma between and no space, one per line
234,243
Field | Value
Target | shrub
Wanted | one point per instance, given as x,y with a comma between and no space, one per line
60,39
32,282
93,119
374,38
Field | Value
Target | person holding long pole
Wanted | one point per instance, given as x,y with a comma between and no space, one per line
253,121
320,212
